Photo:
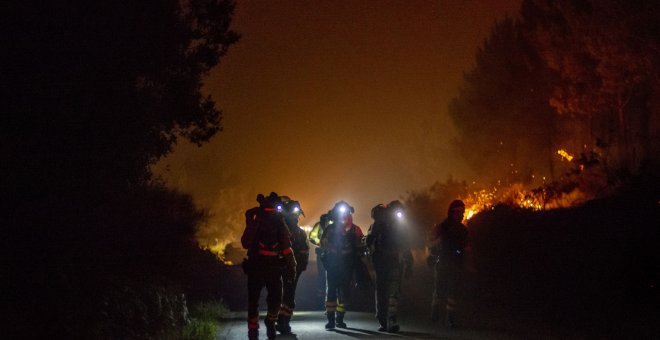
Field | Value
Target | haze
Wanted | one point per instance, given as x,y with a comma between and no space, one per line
331,100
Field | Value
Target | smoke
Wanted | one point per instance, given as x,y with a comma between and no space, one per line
226,220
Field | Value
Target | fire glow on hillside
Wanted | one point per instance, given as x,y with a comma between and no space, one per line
544,197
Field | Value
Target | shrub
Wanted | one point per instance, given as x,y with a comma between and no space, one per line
200,330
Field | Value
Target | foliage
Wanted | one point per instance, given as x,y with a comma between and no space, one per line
210,310
575,75
134,310
502,111
96,92
589,265
200,330
205,317
108,87
607,58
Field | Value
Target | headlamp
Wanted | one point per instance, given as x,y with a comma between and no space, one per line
279,207
296,209
399,214
342,209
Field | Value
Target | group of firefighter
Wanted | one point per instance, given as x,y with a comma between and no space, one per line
278,252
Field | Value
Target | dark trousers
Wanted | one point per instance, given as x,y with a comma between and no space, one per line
271,278
388,290
320,269
446,278
289,294
338,275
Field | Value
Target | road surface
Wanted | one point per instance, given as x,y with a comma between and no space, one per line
363,325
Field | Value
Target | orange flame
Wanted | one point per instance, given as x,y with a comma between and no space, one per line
518,195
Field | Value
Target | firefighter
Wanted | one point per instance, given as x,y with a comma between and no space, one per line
341,245
315,238
388,242
267,239
292,211
447,247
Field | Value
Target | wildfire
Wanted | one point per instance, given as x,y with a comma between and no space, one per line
565,155
544,197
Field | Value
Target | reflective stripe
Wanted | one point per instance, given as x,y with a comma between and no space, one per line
286,310
253,323
267,252
287,251
341,308
330,306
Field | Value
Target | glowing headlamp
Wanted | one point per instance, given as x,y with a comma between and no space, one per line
279,207
342,209
399,214
296,209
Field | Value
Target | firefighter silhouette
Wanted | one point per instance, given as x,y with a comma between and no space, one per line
267,239
292,211
315,238
388,242
447,246
341,248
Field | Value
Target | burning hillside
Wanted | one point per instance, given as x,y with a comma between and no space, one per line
582,182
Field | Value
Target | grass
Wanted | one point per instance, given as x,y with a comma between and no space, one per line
205,318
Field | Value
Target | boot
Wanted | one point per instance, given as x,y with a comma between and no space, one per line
283,324
340,320
331,320
392,325
383,324
253,328
450,321
270,329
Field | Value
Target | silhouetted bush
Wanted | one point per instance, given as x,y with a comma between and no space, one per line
596,264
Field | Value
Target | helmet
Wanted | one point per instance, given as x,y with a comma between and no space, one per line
378,212
342,208
396,207
293,207
274,201
456,205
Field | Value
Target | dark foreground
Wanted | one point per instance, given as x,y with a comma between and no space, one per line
310,325
480,316
590,272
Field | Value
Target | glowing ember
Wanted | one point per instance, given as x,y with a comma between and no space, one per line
565,155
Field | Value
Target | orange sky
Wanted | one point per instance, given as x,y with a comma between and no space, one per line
334,99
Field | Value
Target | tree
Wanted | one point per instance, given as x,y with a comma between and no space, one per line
606,54
100,90
96,91
501,111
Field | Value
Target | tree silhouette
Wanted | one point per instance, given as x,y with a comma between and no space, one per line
502,111
606,54
96,92
108,87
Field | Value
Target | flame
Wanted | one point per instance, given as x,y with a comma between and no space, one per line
517,195
565,155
